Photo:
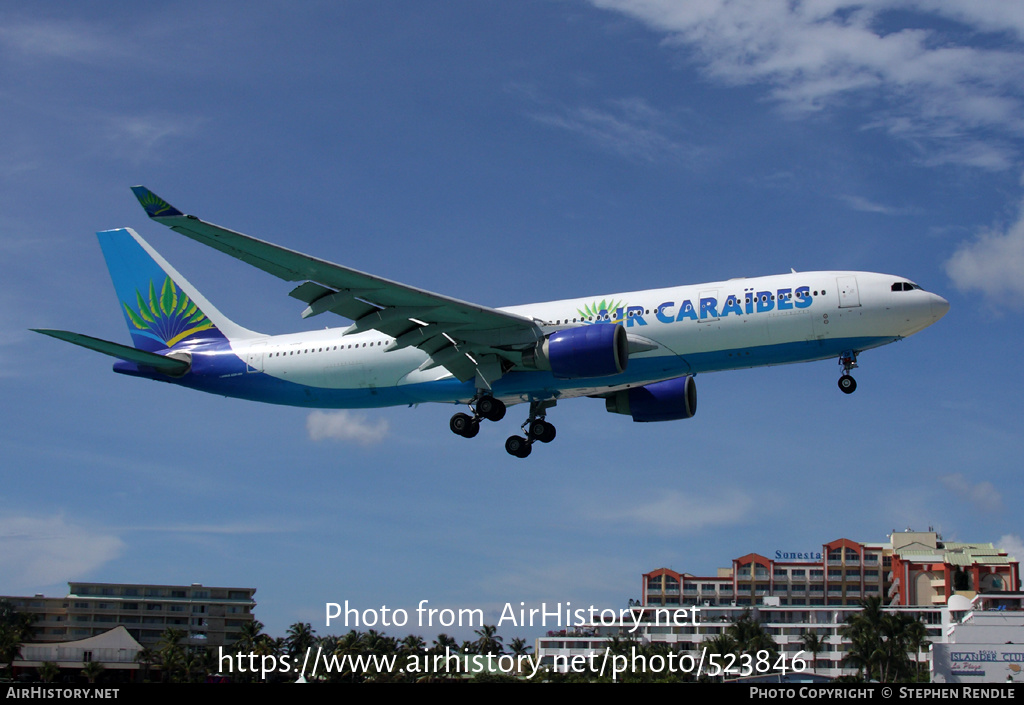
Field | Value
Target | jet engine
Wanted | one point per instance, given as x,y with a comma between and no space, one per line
661,401
599,350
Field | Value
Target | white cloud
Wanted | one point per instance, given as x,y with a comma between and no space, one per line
993,263
982,495
631,128
923,85
235,529
1013,545
144,138
45,550
859,203
675,511
345,426
64,40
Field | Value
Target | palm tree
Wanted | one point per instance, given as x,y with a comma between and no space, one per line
412,644
879,643
488,642
49,672
146,657
352,644
444,641
251,634
381,644
862,630
720,645
172,654
750,636
300,638
267,646
249,642
518,647
917,639
197,663
15,628
92,670
814,644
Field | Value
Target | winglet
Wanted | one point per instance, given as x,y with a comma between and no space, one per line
155,206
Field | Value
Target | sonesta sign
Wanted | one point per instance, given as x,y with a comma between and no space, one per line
798,555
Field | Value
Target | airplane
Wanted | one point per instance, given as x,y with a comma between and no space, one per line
639,350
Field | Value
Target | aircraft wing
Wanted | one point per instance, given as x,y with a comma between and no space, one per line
467,339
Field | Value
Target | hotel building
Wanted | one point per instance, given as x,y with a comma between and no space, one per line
796,592
912,568
210,616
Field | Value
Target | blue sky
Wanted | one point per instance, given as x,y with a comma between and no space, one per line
506,153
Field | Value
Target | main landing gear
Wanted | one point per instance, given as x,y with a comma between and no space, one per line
849,361
535,428
486,407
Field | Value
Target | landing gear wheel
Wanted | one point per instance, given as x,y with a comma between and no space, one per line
490,408
542,431
848,384
518,446
464,425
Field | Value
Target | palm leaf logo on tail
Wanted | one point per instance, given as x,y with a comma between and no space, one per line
169,315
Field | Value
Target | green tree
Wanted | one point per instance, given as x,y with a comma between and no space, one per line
750,636
49,672
92,670
353,644
300,638
196,664
15,628
172,654
721,646
251,634
250,641
814,645
488,641
879,643
917,639
146,658
519,647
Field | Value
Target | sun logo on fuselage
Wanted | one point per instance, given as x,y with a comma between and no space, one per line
603,312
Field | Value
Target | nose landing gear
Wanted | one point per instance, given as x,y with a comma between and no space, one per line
849,361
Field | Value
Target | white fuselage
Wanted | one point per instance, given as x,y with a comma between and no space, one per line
722,325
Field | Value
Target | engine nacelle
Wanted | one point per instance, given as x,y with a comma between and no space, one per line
661,401
599,350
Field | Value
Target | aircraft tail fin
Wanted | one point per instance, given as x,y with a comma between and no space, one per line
162,309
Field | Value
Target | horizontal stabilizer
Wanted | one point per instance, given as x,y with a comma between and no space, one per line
167,365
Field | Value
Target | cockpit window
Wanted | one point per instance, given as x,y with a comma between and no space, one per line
905,286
